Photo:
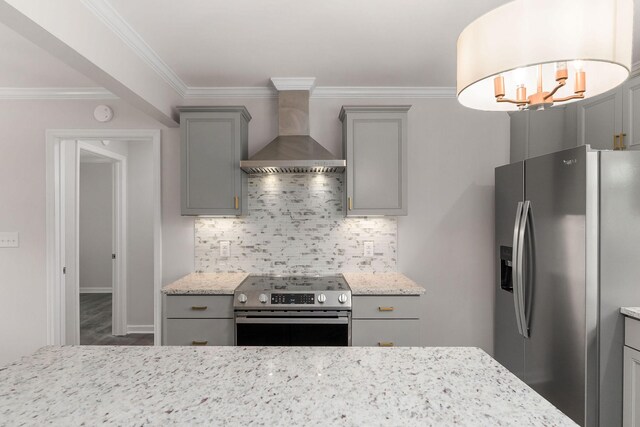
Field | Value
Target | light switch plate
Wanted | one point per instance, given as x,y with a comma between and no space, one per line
368,248
10,240
225,248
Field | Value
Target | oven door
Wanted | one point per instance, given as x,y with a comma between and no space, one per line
299,328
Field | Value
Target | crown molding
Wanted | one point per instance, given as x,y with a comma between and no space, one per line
294,83
55,93
384,92
109,16
323,92
230,92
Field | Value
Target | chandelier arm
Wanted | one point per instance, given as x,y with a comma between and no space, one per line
569,98
560,84
512,101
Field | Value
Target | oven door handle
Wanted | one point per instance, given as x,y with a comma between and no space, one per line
293,320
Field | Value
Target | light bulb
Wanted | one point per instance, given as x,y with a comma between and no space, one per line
561,66
578,65
519,76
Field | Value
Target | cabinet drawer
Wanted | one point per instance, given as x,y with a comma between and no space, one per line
199,332
199,306
386,307
385,333
632,333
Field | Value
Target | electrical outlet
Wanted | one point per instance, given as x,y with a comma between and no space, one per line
9,240
368,248
225,248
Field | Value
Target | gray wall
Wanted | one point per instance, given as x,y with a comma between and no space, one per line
95,225
445,243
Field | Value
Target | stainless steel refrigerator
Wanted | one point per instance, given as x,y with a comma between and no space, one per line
568,257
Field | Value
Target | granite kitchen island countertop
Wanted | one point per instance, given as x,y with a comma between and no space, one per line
631,312
205,284
382,284
272,386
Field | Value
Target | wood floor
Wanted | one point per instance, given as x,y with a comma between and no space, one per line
95,323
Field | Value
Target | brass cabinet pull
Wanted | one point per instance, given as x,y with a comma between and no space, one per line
385,344
618,141
199,307
199,342
237,202
349,203
385,308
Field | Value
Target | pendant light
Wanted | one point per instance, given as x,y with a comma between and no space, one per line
532,54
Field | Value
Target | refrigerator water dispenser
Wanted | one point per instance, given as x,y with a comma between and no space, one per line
506,282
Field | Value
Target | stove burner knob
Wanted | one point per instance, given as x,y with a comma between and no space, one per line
263,298
342,298
322,298
242,298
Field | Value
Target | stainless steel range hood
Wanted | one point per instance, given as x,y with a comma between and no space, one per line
293,151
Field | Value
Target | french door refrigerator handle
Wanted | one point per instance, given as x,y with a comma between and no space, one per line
514,271
524,324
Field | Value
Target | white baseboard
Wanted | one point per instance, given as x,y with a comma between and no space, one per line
139,329
96,290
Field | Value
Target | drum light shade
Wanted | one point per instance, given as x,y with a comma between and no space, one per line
531,46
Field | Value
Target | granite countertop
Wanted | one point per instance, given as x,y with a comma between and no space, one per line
274,386
382,284
360,284
631,312
205,284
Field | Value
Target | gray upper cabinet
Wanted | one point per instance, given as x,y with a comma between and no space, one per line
375,147
604,121
214,140
631,113
536,133
600,119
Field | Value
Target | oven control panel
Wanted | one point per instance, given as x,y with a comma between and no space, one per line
292,298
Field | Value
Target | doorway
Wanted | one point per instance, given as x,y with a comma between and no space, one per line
103,237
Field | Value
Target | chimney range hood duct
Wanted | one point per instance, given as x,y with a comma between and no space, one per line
293,151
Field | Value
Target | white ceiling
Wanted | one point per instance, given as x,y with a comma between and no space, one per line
23,64
340,42
242,43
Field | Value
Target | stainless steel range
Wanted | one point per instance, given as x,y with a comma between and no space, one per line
293,310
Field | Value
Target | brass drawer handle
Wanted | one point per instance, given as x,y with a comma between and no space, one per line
237,202
350,203
198,307
199,342
385,308
385,344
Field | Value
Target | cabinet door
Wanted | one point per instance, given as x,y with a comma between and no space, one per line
211,175
631,119
631,404
385,333
199,332
376,153
600,119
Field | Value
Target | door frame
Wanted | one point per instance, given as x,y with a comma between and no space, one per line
55,221
119,237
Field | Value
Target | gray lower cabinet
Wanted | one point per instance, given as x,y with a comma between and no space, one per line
631,404
198,320
385,321
213,141
375,147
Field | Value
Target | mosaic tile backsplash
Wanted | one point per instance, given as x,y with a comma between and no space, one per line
296,225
